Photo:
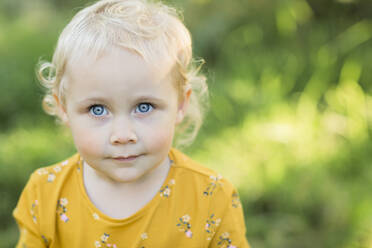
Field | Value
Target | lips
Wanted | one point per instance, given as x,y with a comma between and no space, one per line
126,158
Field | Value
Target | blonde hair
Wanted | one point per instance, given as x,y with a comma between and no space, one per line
152,30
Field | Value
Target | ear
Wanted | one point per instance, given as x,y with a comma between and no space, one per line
183,105
61,110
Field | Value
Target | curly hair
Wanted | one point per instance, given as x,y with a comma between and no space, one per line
151,29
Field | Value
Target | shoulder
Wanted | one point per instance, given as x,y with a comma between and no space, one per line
56,173
183,161
212,182
37,204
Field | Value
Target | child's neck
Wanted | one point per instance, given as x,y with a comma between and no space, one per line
98,178
112,197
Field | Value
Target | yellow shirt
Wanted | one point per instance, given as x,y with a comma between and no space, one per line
195,207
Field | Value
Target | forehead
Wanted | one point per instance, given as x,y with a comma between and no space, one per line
115,61
116,70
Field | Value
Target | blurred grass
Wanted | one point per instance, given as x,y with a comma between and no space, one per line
290,122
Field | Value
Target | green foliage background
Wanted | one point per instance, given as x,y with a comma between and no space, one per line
290,119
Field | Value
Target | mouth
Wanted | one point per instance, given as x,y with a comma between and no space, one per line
126,158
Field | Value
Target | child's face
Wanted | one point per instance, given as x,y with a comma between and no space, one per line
119,106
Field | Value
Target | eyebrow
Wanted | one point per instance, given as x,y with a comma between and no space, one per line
93,99
149,98
137,99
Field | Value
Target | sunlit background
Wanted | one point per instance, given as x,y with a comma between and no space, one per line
290,118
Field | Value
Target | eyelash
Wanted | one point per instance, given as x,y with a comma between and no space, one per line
94,105
153,106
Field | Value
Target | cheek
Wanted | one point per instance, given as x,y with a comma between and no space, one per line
87,141
159,138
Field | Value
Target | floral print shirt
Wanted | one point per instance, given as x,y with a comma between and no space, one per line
195,207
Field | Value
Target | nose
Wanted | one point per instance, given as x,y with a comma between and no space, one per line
122,132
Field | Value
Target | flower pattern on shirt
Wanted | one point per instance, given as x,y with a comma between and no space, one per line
95,216
211,226
42,171
184,225
51,177
225,241
64,163
236,201
214,182
166,190
57,168
46,241
144,236
198,225
32,211
103,242
62,210
51,172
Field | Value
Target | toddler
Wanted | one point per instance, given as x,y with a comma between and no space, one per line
123,80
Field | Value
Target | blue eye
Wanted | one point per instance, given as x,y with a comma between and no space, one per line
144,107
97,110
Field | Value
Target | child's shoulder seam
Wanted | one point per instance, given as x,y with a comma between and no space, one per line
50,171
185,162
